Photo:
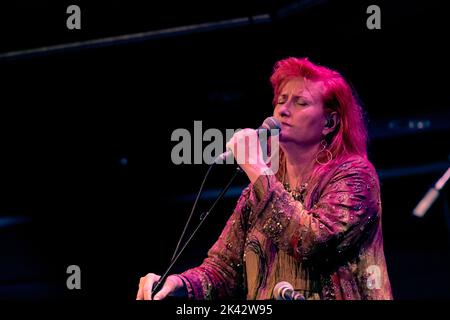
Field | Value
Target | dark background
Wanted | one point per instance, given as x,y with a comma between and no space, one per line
85,168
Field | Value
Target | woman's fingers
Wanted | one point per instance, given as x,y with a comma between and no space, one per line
166,289
146,286
172,286
245,146
140,293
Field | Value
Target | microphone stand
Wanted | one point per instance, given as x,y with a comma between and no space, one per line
202,219
429,198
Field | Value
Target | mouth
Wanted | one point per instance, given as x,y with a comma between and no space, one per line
285,124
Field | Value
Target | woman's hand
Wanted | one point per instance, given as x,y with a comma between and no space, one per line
173,286
247,151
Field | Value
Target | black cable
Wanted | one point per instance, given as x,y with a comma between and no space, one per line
163,277
192,210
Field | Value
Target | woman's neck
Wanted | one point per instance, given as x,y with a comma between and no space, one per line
299,163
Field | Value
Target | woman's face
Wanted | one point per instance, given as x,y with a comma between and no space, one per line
299,108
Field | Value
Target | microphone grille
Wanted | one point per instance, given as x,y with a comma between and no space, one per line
279,288
271,123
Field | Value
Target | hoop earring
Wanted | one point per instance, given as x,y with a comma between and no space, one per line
327,152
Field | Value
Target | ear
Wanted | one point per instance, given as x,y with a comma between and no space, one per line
331,123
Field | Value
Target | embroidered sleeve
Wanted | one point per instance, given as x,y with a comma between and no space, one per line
220,276
346,212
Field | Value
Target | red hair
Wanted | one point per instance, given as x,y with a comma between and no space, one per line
350,136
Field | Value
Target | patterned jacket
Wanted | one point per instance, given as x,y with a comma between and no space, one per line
330,246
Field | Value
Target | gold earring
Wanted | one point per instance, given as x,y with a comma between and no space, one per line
324,152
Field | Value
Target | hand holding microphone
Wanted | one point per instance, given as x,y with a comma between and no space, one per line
268,127
246,148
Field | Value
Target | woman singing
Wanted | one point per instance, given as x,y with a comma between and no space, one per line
316,223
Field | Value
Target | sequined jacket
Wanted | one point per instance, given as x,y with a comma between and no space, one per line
330,246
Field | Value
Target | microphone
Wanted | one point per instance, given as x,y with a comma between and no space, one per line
269,124
285,291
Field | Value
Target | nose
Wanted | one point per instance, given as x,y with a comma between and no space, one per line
283,110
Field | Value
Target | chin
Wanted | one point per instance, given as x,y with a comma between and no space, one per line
286,139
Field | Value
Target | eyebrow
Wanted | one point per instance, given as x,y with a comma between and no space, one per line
284,95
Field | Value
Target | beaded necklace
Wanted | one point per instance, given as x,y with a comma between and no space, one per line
298,193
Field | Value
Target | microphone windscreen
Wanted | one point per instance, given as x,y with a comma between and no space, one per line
270,124
279,288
